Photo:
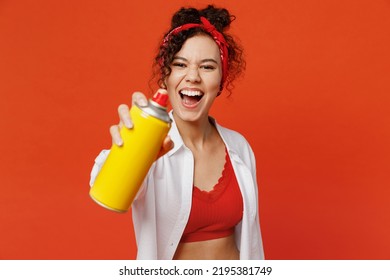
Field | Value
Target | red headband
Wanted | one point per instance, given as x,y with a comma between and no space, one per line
217,36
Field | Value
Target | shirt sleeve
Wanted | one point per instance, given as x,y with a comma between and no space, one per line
99,161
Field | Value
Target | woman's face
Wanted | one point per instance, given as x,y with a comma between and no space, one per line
195,80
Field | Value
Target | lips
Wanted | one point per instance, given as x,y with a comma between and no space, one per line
190,97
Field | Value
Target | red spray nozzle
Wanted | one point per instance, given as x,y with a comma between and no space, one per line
161,98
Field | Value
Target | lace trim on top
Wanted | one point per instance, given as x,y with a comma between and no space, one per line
220,187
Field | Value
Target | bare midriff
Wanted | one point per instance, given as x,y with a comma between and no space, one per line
216,249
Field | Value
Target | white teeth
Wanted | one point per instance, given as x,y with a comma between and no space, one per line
191,92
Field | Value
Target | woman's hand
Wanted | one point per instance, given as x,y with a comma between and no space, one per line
125,120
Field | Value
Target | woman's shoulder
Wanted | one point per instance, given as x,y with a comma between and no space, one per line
233,138
230,134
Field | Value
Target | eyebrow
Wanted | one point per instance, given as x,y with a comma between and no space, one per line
202,61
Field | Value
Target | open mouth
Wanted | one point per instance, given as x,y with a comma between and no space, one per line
190,97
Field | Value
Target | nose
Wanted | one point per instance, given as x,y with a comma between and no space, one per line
192,75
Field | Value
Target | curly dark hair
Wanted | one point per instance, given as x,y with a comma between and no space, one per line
221,19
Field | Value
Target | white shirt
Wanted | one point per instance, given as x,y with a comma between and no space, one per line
162,206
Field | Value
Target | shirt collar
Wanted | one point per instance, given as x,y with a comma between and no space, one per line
175,136
178,140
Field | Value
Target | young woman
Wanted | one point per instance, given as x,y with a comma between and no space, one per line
200,198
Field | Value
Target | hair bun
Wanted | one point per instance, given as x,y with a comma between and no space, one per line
185,15
219,17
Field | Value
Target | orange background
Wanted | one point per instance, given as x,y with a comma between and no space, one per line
314,104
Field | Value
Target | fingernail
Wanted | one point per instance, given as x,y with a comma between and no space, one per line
128,123
142,102
119,142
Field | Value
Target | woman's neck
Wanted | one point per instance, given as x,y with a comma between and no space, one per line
195,134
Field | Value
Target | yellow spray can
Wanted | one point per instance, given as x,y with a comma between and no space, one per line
126,166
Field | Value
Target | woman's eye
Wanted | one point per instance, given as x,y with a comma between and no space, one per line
178,64
208,67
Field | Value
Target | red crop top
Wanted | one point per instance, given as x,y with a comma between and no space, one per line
214,214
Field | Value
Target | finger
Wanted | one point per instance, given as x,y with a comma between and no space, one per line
124,115
139,98
115,135
166,146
